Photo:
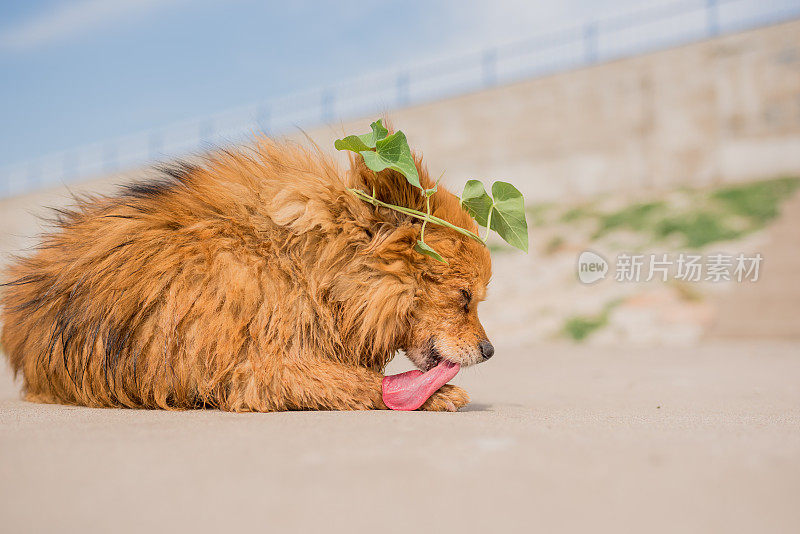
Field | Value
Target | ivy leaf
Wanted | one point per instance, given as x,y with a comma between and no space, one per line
378,131
367,141
507,210
508,215
392,152
383,151
505,214
423,248
354,143
476,201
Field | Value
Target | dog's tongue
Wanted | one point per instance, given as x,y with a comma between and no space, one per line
409,391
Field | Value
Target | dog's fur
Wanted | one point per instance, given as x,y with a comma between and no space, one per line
253,282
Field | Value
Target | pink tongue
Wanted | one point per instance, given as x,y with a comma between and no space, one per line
410,390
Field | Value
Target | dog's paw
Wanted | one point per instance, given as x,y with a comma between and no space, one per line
446,399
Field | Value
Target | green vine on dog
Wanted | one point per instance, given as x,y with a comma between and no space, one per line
503,212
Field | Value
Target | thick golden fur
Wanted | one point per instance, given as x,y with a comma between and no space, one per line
254,282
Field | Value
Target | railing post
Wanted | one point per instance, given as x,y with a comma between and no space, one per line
712,17
263,119
489,64
327,102
401,86
590,53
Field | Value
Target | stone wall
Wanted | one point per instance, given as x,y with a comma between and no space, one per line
721,110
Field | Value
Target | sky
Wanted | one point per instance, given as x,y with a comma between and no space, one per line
75,72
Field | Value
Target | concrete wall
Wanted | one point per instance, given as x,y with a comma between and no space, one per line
720,110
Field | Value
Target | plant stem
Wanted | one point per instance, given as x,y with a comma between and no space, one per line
414,213
428,212
488,225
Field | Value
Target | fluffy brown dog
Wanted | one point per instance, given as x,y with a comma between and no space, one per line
255,282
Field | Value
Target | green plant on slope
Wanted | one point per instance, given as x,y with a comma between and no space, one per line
758,202
580,327
503,212
699,219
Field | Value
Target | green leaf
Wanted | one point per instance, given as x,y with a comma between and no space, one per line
505,214
508,215
378,131
392,152
353,143
367,141
476,201
423,248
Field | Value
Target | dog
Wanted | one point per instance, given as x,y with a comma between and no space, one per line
250,281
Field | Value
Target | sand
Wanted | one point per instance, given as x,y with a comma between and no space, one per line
557,437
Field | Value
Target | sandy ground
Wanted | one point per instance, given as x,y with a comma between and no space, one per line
557,437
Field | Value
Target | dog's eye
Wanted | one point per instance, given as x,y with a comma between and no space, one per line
467,299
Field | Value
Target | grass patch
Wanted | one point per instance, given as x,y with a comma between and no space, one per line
576,214
698,229
758,202
722,215
580,327
636,217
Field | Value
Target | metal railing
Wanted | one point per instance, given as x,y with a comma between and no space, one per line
653,28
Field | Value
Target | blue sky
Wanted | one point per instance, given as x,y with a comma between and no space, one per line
86,70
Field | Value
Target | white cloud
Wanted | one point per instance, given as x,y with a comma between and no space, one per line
73,18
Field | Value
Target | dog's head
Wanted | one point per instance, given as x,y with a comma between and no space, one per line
444,316
435,304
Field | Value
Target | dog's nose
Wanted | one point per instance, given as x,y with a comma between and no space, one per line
487,349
